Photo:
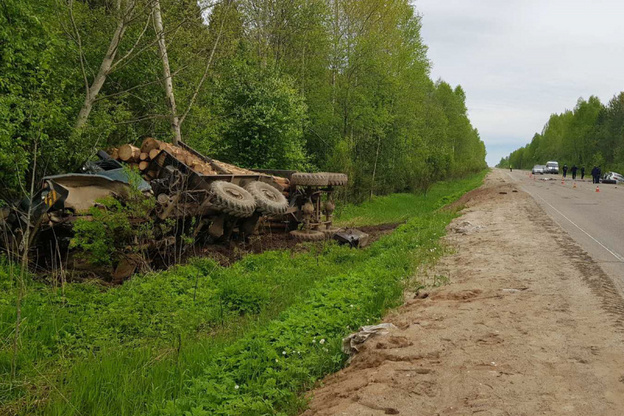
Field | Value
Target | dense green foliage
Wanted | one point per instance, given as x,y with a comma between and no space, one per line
592,134
307,84
108,231
184,339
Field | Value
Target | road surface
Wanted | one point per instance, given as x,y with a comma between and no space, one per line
595,220
529,324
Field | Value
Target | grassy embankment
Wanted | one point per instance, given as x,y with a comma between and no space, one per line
201,339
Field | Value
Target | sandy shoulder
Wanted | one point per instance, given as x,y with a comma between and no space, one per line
528,325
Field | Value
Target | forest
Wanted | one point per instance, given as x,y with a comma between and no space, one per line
589,135
309,85
336,85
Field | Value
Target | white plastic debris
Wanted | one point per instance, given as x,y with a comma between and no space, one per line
466,227
351,344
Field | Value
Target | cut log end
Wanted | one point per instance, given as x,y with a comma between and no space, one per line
129,153
149,144
153,153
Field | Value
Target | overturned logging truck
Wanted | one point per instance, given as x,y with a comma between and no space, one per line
207,200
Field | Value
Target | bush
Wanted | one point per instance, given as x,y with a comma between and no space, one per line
109,232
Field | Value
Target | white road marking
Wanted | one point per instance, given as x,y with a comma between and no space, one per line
619,257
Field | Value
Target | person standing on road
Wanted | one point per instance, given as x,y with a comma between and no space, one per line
510,169
582,172
594,174
565,170
574,169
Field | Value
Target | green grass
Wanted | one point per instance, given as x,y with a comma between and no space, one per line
181,341
396,208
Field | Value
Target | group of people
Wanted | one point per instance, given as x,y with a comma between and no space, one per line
596,172
574,169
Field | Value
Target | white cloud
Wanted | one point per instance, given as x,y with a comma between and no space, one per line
521,60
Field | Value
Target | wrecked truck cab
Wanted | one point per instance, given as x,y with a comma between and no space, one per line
79,191
63,196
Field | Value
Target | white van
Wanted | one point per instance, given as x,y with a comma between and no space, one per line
552,167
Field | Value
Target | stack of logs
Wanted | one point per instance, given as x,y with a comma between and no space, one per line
150,148
140,157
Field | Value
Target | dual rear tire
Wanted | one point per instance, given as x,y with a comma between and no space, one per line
243,202
269,200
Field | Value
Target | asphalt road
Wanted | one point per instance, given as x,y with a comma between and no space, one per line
595,220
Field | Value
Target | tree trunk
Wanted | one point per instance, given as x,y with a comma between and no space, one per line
372,189
98,81
203,78
158,25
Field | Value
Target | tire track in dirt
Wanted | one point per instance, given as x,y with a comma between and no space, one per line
528,325
600,283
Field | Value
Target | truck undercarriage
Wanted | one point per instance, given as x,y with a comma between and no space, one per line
195,200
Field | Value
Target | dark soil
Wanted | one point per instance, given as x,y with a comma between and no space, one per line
229,253
225,254
481,194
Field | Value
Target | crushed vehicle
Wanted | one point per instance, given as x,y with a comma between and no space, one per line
205,199
612,178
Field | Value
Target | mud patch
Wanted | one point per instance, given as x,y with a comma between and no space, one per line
231,252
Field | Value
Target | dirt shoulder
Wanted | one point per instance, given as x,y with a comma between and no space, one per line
528,325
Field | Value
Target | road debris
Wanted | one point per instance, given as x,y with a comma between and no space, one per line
352,237
466,227
351,345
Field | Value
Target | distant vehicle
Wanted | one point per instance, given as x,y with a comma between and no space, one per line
552,167
612,177
538,169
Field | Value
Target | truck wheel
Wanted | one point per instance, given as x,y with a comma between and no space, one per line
232,199
336,179
329,233
269,200
307,235
309,179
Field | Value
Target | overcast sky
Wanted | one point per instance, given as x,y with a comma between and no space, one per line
521,60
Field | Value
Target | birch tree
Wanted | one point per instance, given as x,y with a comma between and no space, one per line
126,12
168,80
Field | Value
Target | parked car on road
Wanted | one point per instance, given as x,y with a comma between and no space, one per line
612,177
538,169
552,167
